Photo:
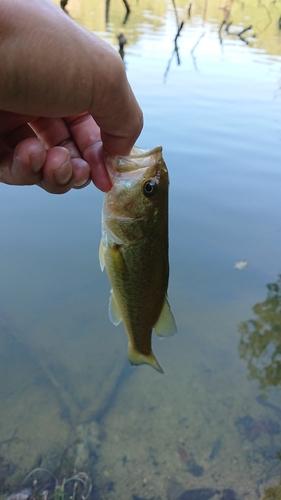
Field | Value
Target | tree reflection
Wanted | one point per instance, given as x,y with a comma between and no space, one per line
273,493
260,343
128,11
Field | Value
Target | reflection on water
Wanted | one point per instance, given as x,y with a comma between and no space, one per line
256,23
68,397
260,343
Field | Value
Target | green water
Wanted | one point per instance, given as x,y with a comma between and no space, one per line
68,396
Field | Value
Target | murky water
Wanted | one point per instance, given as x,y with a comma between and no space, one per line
68,397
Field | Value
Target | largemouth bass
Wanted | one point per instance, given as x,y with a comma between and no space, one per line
134,250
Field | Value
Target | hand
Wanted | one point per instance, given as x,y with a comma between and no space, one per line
64,97
56,154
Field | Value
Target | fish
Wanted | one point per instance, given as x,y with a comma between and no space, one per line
134,249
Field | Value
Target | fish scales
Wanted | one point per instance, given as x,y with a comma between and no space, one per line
145,293
134,249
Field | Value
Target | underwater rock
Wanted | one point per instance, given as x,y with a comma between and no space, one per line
267,404
215,448
82,453
20,495
192,465
252,428
87,443
228,494
7,469
136,497
182,454
195,469
270,452
273,493
174,490
198,494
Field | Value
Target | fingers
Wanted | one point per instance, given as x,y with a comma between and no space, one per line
60,172
99,175
81,136
54,170
54,132
86,134
23,165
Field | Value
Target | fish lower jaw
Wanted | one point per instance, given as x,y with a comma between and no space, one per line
137,358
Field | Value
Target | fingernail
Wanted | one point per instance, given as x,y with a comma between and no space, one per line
85,181
63,174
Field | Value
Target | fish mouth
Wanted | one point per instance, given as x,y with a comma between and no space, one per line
143,153
139,158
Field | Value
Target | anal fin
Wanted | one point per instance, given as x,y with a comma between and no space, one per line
165,325
114,311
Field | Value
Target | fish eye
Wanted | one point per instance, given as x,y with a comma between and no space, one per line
150,188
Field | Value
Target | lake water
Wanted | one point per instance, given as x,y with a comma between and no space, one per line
69,398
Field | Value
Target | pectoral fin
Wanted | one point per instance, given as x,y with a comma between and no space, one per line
166,324
101,255
114,312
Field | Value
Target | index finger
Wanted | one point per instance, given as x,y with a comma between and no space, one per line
86,135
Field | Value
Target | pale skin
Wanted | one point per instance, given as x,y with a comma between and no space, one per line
64,100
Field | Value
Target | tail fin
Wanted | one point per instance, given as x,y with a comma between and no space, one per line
136,358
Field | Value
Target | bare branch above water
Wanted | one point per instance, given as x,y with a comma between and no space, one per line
175,51
244,31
